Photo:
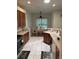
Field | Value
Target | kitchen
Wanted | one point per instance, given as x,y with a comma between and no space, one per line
39,25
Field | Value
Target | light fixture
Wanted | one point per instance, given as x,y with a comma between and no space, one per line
54,5
46,1
41,17
28,2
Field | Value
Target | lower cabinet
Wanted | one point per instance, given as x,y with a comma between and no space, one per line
25,37
57,53
47,38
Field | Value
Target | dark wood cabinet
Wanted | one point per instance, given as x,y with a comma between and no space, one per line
57,53
20,19
26,37
47,38
23,18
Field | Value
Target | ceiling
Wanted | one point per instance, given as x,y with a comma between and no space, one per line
38,5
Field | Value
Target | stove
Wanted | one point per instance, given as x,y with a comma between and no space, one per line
24,55
45,55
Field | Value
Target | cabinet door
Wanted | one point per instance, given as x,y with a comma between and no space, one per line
57,53
47,38
18,22
22,19
24,22
18,18
26,37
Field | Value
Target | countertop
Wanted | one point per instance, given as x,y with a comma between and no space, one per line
54,36
22,32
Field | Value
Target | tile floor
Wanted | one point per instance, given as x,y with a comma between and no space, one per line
35,45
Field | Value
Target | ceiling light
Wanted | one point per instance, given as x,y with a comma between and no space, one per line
28,2
46,1
54,5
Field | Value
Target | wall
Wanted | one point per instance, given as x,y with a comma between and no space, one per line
28,19
35,16
57,19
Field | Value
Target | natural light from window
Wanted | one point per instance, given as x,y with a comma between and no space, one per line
41,23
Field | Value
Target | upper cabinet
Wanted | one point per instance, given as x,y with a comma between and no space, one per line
20,19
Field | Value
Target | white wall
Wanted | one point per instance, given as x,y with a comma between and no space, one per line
57,19
28,19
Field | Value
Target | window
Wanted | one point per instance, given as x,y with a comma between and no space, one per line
41,23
